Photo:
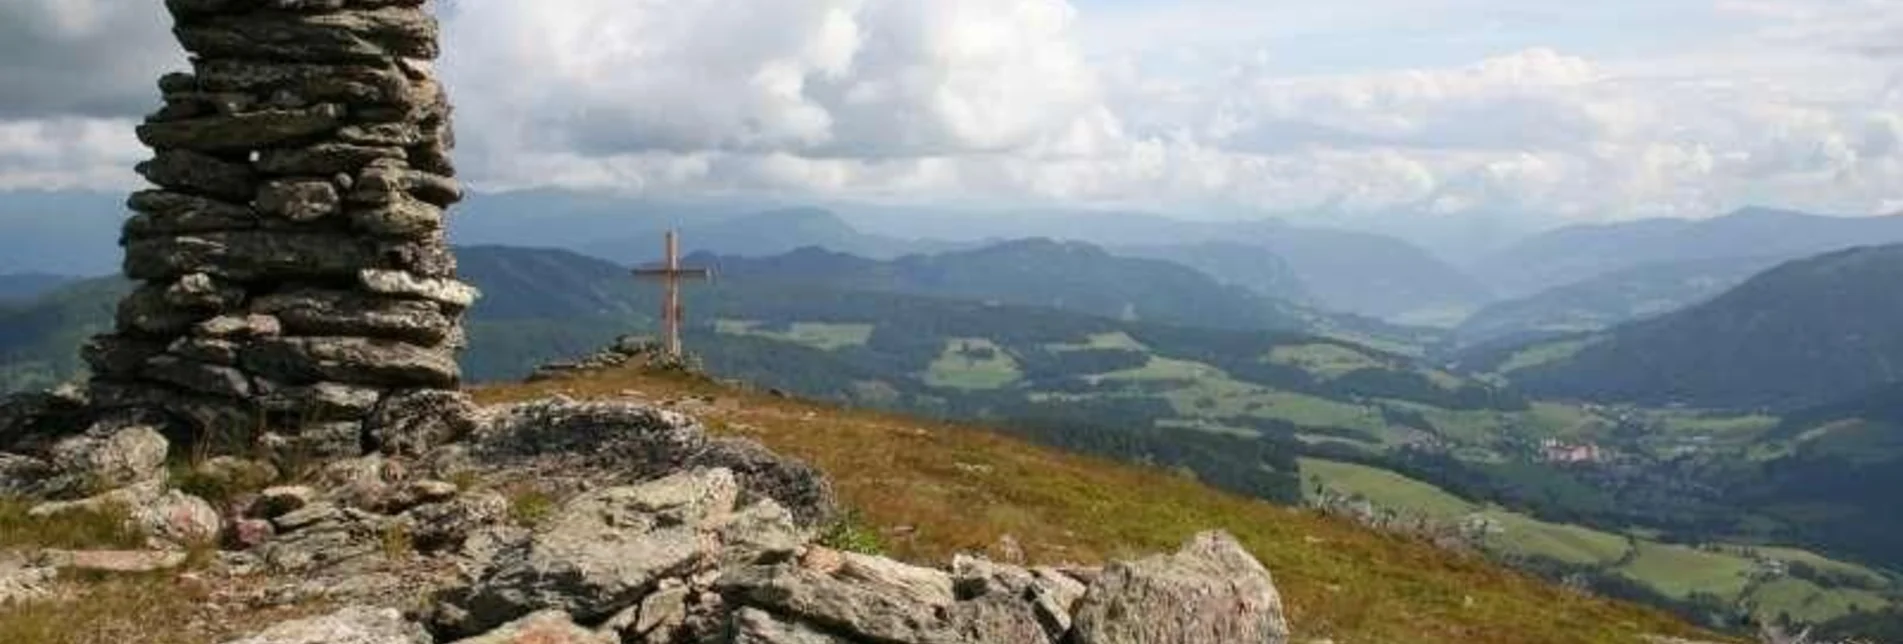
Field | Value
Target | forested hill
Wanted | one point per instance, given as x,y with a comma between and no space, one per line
1070,276
1805,333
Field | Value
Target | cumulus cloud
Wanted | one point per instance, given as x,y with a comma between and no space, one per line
1233,104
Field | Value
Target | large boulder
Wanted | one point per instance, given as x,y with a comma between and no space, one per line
353,625
111,454
545,627
643,441
601,552
30,422
1211,591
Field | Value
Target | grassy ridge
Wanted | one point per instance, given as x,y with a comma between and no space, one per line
938,489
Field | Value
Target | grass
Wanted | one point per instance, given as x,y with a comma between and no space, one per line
1807,602
1561,541
1115,340
819,335
149,609
106,528
529,507
1543,354
1323,359
1679,571
851,533
1385,489
972,364
1339,580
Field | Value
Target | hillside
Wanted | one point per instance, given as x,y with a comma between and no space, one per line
1574,254
25,286
1069,276
1608,300
1801,334
1251,267
917,482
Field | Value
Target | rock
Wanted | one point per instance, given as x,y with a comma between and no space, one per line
299,200
665,610
213,351
448,525
350,313
544,627
645,441
348,360
1050,594
323,159
235,474
1210,591
867,597
326,537
23,475
146,312
242,131
29,422
603,551
450,292
114,561
321,402
344,37
179,518
112,454
22,579
202,292
249,256
413,423
763,532
246,534
164,213
403,217
279,501
199,173
240,326
201,377
353,625
755,626
363,83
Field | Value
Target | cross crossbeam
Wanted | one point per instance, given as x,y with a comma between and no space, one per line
671,273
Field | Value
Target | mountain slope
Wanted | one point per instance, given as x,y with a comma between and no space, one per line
919,482
1608,300
1251,267
26,286
1578,253
1800,334
1037,272
760,234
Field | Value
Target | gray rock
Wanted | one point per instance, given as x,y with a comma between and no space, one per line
324,401
200,377
544,627
179,518
164,213
603,551
202,292
445,291
323,159
325,537
1211,591
364,83
242,132
755,626
117,356
239,326
250,255
448,525
146,311
22,579
299,200
214,351
344,37
349,313
29,422
645,441
114,561
24,475
357,361
405,217
112,454
200,173
353,625
283,500
1049,594
866,597
412,423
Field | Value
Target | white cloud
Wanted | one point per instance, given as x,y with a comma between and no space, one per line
1433,105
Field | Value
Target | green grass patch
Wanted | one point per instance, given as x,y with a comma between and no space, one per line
1115,340
1543,354
1808,603
851,533
1385,489
1522,534
972,364
108,527
1678,571
1324,359
819,335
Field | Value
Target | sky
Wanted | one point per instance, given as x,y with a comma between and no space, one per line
1539,109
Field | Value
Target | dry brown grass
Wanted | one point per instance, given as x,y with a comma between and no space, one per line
936,489
149,609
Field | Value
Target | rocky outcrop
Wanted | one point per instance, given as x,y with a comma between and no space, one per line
354,625
1211,591
295,271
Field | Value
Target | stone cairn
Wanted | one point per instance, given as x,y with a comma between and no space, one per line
294,276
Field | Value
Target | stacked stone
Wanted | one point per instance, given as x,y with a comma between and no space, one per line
294,273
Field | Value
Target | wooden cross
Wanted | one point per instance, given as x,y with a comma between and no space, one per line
671,273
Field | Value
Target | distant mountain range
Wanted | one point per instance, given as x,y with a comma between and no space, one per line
26,286
1579,253
1608,300
1805,333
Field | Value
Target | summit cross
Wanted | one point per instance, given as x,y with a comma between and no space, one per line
671,273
